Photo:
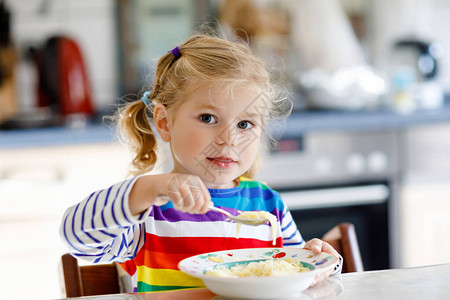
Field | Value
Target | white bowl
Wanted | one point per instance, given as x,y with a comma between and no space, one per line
273,287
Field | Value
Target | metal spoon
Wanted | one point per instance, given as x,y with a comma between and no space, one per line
253,222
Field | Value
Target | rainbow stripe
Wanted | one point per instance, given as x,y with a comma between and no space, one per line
172,236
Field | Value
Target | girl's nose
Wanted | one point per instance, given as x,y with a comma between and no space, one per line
227,136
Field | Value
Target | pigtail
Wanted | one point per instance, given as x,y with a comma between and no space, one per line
134,126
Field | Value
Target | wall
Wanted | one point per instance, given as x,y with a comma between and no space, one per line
425,19
424,195
91,23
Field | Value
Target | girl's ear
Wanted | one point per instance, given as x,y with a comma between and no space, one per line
162,124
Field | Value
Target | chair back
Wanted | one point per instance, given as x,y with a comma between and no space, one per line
343,238
89,280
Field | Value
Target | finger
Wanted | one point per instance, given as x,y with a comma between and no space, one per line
198,201
187,197
173,191
175,197
315,245
195,185
200,194
196,194
179,199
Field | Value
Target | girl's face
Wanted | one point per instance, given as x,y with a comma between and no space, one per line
215,134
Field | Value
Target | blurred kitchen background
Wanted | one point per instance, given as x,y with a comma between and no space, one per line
368,141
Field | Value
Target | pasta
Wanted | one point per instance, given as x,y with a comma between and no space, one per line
252,215
265,268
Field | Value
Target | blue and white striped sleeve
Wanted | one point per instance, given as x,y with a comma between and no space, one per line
101,228
289,231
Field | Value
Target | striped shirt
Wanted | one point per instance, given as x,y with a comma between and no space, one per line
150,245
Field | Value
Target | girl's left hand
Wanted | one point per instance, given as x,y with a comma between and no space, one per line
318,246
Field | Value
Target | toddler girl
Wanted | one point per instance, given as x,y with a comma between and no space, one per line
210,101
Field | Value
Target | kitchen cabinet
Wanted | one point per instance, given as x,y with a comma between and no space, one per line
36,186
72,170
425,195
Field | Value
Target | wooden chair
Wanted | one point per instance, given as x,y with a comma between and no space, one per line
89,280
343,238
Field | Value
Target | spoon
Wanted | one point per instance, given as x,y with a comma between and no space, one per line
237,219
253,222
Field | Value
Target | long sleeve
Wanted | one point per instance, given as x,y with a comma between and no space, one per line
101,227
291,235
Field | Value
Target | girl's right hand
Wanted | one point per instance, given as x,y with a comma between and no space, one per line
188,193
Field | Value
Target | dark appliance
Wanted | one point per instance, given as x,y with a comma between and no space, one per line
421,55
63,80
326,178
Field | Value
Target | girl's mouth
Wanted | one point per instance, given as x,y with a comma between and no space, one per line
222,161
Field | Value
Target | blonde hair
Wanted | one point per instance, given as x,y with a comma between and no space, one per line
205,60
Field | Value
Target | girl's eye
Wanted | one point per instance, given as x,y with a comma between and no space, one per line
244,125
207,118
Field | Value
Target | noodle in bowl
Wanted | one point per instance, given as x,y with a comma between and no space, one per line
258,273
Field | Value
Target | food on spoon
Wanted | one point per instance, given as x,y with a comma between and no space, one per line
253,215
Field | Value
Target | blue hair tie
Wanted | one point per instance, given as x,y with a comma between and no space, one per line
145,98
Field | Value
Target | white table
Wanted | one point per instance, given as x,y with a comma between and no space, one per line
429,282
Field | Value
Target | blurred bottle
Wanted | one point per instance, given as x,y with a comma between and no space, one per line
402,90
414,73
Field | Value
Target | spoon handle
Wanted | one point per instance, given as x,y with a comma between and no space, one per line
211,207
221,211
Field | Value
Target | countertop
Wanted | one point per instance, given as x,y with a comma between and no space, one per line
57,136
298,123
306,121
427,282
